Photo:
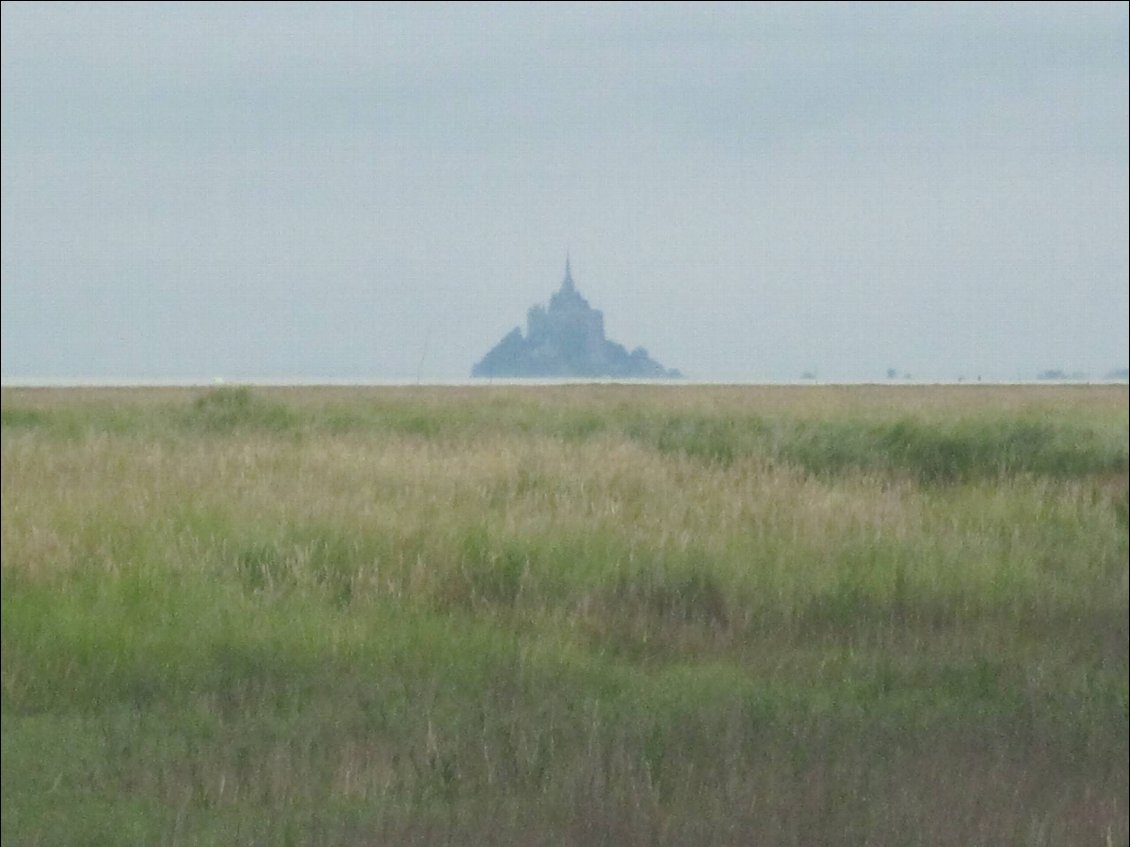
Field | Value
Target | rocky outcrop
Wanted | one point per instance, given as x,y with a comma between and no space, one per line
566,339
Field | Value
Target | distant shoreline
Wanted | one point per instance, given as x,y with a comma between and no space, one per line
406,382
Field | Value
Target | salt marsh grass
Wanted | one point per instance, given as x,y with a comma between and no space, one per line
565,615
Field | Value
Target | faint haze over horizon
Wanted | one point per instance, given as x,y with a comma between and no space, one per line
750,192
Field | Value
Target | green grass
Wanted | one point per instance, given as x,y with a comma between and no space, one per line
587,615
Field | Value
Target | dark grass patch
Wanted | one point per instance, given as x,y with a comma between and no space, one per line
230,408
714,439
939,453
18,418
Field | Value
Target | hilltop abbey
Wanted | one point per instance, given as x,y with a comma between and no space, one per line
566,339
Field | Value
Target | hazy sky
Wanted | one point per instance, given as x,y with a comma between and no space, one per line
749,191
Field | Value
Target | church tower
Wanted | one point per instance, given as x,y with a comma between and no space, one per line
567,283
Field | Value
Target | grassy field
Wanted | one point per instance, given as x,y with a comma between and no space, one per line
616,615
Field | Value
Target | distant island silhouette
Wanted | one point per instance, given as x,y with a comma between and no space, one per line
567,339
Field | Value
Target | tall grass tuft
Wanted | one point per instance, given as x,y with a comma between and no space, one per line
228,408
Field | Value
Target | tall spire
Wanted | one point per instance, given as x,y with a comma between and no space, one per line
567,283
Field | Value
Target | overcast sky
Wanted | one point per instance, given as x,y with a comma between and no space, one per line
748,191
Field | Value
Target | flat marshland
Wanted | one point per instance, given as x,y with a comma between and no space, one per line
621,615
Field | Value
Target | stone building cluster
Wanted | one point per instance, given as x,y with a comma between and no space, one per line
566,339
